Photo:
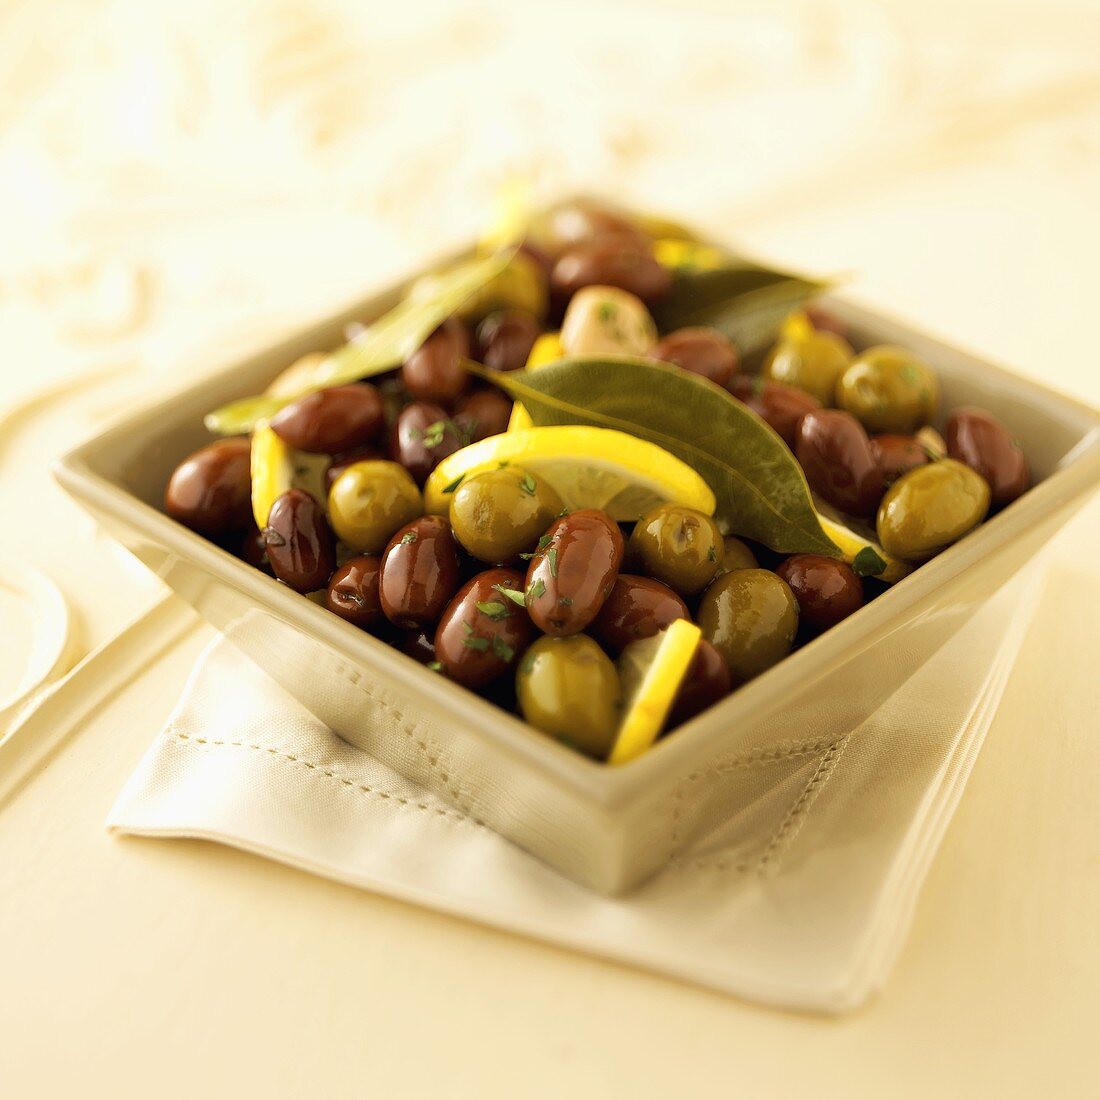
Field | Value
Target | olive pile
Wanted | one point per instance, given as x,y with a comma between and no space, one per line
515,597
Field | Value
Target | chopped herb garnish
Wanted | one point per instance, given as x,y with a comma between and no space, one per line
435,666
493,608
502,649
563,512
409,536
510,594
433,434
552,560
528,485
910,373
476,642
606,311
712,554
544,542
868,563
565,601
537,588
450,488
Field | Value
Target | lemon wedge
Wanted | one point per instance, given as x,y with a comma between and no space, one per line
651,672
589,467
272,468
546,349
855,542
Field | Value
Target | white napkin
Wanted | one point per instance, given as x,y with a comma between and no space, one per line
242,763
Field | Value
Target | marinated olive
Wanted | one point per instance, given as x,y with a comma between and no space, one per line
422,438
824,320
340,462
435,372
353,591
603,320
254,551
211,490
827,590
834,451
780,407
896,455
704,351
735,555
482,413
484,629
638,607
573,571
576,223
569,688
417,643
505,340
809,360
610,262
889,389
750,616
979,440
371,500
332,420
500,513
931,507
705,683
420,572
677,545
299,542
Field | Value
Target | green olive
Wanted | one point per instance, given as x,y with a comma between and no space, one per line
931,507
501,513
369,501
569,688
735,555
889,389
679,546
810,361
750,616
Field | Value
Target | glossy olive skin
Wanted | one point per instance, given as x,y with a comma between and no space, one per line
835,453
811,361
434,372
210,491
706,682
735,555
422,437
299,542
329,421
609,262
501,513
476,645
678,546
780,407
703,351
573,573
420,572
827,590
889,389
897,455
340,462
353,591
931,507
483,413
979,440
638,607
371,500
575,223
751,617
569,688
504,340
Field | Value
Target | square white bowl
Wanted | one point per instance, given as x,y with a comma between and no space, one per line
608,828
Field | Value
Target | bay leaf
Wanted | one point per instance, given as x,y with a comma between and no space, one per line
760,488
744,300
387,343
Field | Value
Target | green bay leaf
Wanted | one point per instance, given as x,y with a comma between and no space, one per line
744,300
761,491
386,343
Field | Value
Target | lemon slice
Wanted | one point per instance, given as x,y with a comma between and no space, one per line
546,349
589,467
651,672
856,542
272,466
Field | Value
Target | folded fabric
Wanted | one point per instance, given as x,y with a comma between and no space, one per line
801,903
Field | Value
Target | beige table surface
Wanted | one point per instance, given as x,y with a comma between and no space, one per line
138,968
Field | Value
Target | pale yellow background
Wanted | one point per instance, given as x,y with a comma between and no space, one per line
178,180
